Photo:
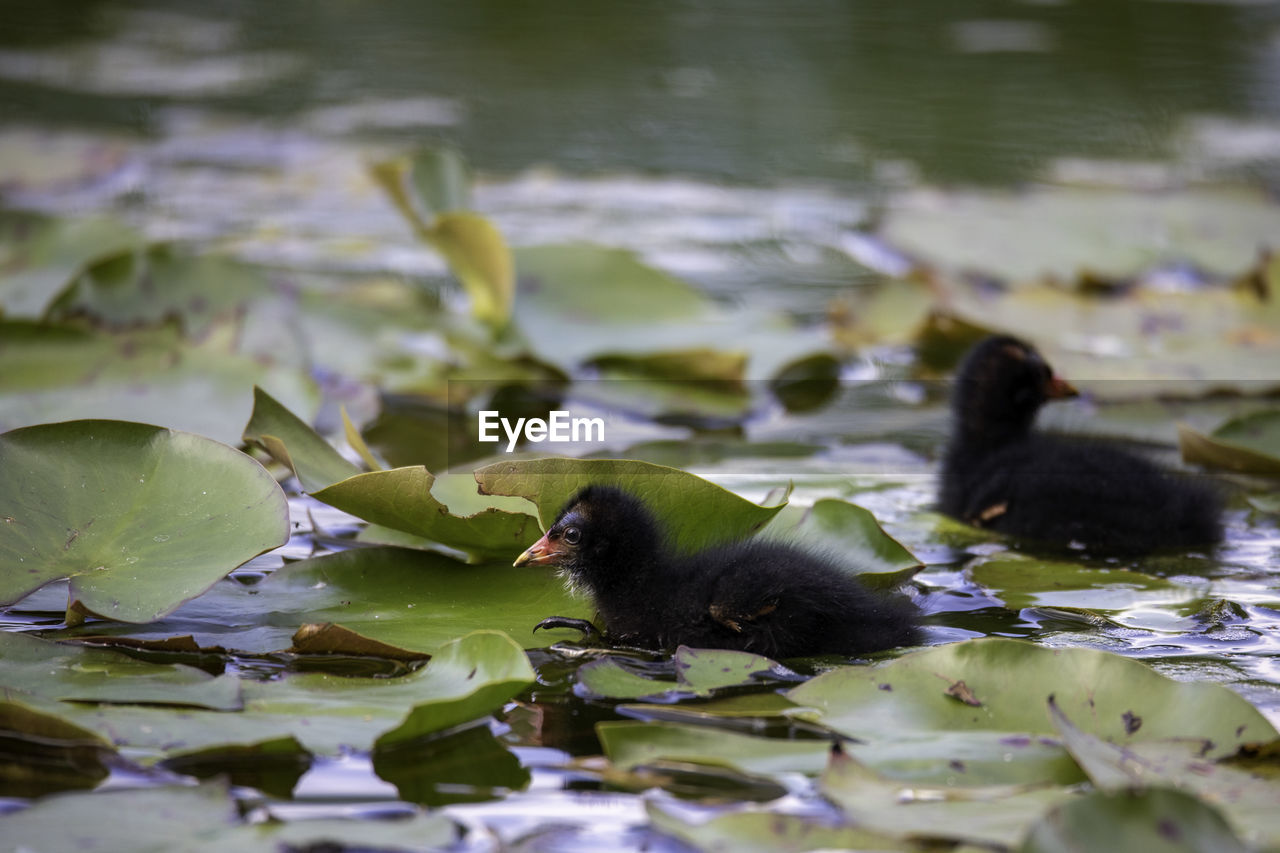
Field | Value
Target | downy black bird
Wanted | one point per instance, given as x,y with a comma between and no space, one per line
999,473
764,597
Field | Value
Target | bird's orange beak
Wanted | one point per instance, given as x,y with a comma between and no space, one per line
540,553
1058,388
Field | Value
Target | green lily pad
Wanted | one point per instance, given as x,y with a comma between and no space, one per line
767,832
41,753
986,815
698,671
71,674
272,766
140,518
1022,581
1204,340
682,502
39,256
58,373
984,700
473,247
470,678
1249,444
140,287
292,442
1062,231
466,679
849,534
412,600
465,767
200,819
628,744
1158,820
1247,800
401,499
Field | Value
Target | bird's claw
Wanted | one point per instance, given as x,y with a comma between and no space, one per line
590,633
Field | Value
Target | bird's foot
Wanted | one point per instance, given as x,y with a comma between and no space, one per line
590,633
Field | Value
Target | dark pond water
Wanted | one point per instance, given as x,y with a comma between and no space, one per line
734,145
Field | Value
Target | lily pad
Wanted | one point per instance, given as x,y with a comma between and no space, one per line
985,815
39,256
72,674
628,744
849,534
466,679
292,442
272,766
60,372
140,287
415,601
699,672
1250,444
1159,820
465,767
767,832
1247,800
683,503
473,247
140,518
1022,581
200,819
401,499
41,753
1062,231
987,697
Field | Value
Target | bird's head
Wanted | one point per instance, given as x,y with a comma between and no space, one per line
600,531
1001,385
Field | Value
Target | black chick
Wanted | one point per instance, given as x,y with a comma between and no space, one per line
1001,475
763,597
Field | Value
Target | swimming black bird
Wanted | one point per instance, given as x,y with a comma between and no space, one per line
764,597
998,473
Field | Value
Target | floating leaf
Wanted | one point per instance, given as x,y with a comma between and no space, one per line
73,674
471,244
848,534
467,678
415,601
272,766
698,671
139,287
1249,444
986,815
1008,737
140,518
291,442
41,753
200,819
768,832
39,256
628,744
1157,820
1061,231
465,767
56,373
1023,581
1246,799
682,502
401,499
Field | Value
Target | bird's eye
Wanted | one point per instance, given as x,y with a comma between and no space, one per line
572,535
